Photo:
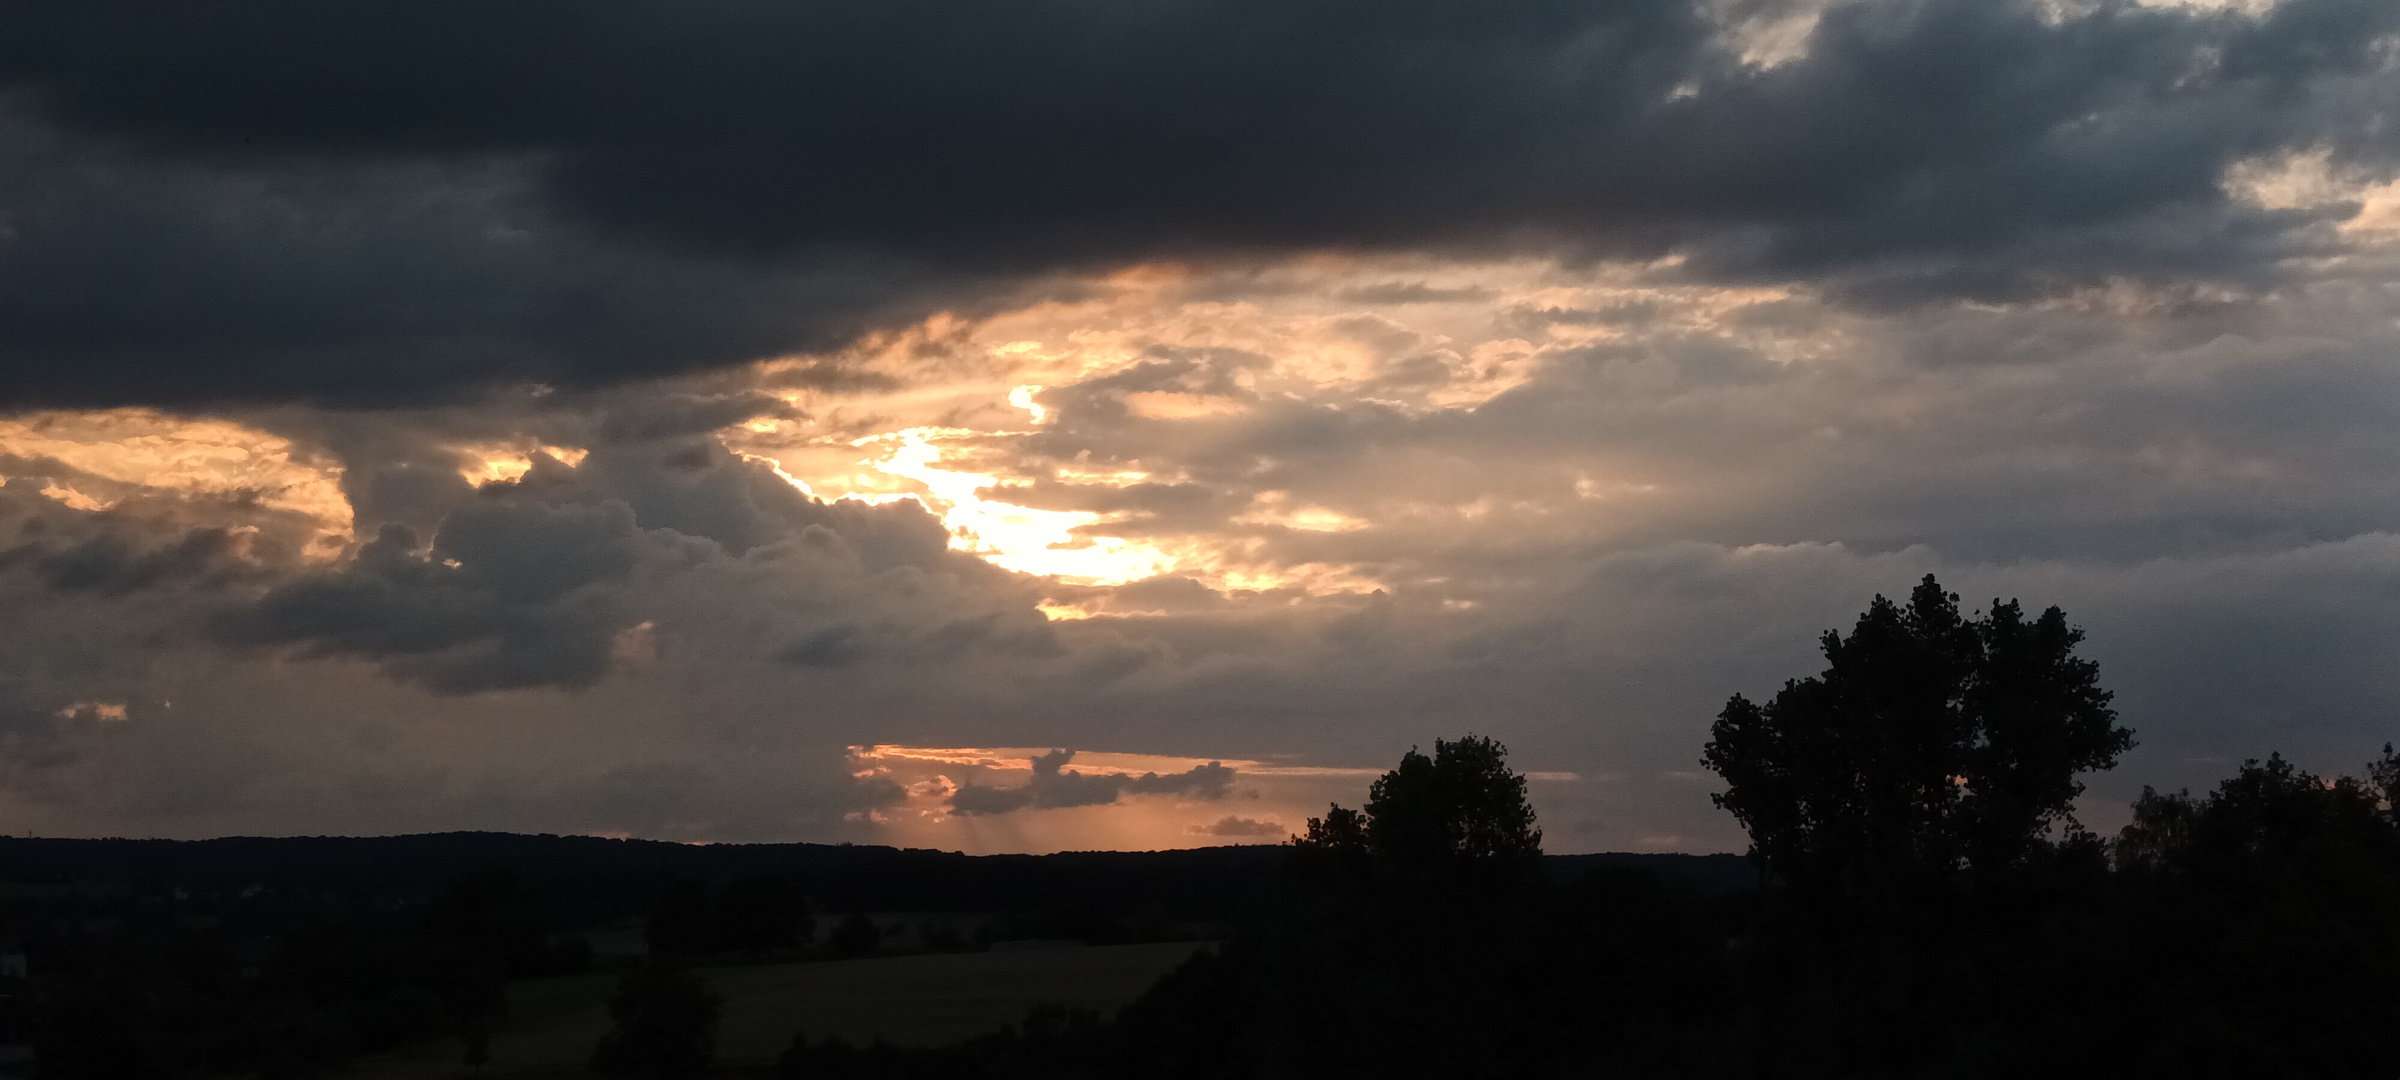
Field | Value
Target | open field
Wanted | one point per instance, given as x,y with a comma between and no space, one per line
924,999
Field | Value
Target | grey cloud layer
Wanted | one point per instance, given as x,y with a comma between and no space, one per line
128,277
285,200
2170,411
534,581
1604,657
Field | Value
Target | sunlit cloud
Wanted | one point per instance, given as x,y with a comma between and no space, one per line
117,453
489,463
1093,799
2311,180
74,498
105,712
1022,397
944,418
1275,508
989,758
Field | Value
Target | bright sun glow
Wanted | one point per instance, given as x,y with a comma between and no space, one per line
1022,397
1024,539
1151,369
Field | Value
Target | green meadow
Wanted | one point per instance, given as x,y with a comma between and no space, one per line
919,1000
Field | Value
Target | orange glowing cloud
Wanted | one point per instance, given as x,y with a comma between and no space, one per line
1263,797
965,415
486,463
118,453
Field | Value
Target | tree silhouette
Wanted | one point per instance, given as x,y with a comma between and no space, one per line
855,935
2268,915
760,913
664,1023
2383,778
679,920
1931,741
487,925
1462,806
1340,830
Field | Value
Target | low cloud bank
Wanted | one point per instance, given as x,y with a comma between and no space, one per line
1054,786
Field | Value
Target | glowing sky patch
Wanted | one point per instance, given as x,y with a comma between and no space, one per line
1022,397
945,422
930,776
1020,758
1278,791
74,498
2312,179
1024,539
1275,508
491,463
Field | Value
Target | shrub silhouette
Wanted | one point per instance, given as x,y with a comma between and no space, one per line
760,913
663,1023
855,935
679,920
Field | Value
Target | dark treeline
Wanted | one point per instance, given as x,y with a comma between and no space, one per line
1919,902
288,957
292,957
615,876
609,877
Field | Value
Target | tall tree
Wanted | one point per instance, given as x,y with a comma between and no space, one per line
1463,803
1932,741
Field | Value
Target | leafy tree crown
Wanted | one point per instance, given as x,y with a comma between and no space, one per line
1932,741
1463,802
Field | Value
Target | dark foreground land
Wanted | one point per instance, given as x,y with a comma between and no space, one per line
1922,904
594,878
389,956
2254,932
912,1000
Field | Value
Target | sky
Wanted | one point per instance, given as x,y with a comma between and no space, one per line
1031,425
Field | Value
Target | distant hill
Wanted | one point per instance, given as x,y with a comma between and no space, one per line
1196,882
1712,875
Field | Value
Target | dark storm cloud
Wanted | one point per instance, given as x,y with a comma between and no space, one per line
512,596
125,278
1232,826
1054,787
354,201
140,548
111,566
